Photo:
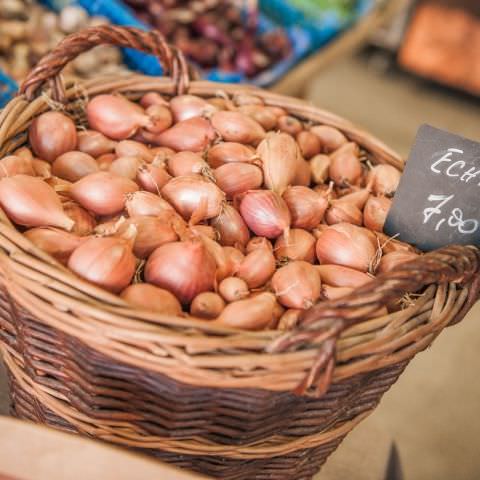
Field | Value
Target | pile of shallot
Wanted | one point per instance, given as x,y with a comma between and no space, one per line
224,209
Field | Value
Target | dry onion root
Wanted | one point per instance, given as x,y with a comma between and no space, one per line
229,211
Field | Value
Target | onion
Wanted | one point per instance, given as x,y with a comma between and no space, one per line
105,261
253,313
153,98
15,165
126,167
347,245
103,193
237,127
205,230
297,285
319,166
309,144
258,242
104,161
160,117
299,246
224,267
151,233
265,213
31,202
289,319
375,212
194,134
306,206
357,198
162,153
266,118
186,163
115,116
51,134
41,168
339,212
303,175
153,177
345,167
57,243
338,276
188,106
207,305
257,267
231,228
330,138
146,203
385,179
391,261
236,178
389,244
234,256
73,166
108,226
23,152
233,289
227,152
277,111
193,194
241,99
131,148
94,143
290,125
183,268
149,297
280,156
84,222
334,293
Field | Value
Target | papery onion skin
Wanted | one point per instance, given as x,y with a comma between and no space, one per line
15,165
194,134
183,268
299,246
376,212
237,127
227,152
231,227
160,118
339,276
309,144
31,202
253,313
207,305
289,124
150,297
257,268
153,177
57,243
345,166
347,245
186,163
73,166
107,262
280,156
266,118
115,116
303,175
265,213
233,289
131,148
103,193
205,230
84,222
289,319
23,152
236,178
393,260
330,138
385,179
51,134
189,192
339,212
95,143
306,206
147,203
188,106
258,242
297,285
235,257
320,165
126,167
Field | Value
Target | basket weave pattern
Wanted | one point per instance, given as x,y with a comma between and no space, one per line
228,403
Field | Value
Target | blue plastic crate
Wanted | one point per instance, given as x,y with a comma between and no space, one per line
321,25
120,14
8,87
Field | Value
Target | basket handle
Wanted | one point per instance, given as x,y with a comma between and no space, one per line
324,322
50,66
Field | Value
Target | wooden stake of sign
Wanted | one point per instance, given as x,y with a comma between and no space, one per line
438,200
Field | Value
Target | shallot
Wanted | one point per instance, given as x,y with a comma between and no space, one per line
73,166
306,206
208,305
237,127
236,178
149,297
299,246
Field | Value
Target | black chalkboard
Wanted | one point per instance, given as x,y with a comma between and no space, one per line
438,200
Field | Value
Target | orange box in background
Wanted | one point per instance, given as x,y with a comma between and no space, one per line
442,43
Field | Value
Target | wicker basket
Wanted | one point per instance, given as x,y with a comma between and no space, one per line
228,403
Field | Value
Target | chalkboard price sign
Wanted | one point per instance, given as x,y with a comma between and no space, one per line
438,200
